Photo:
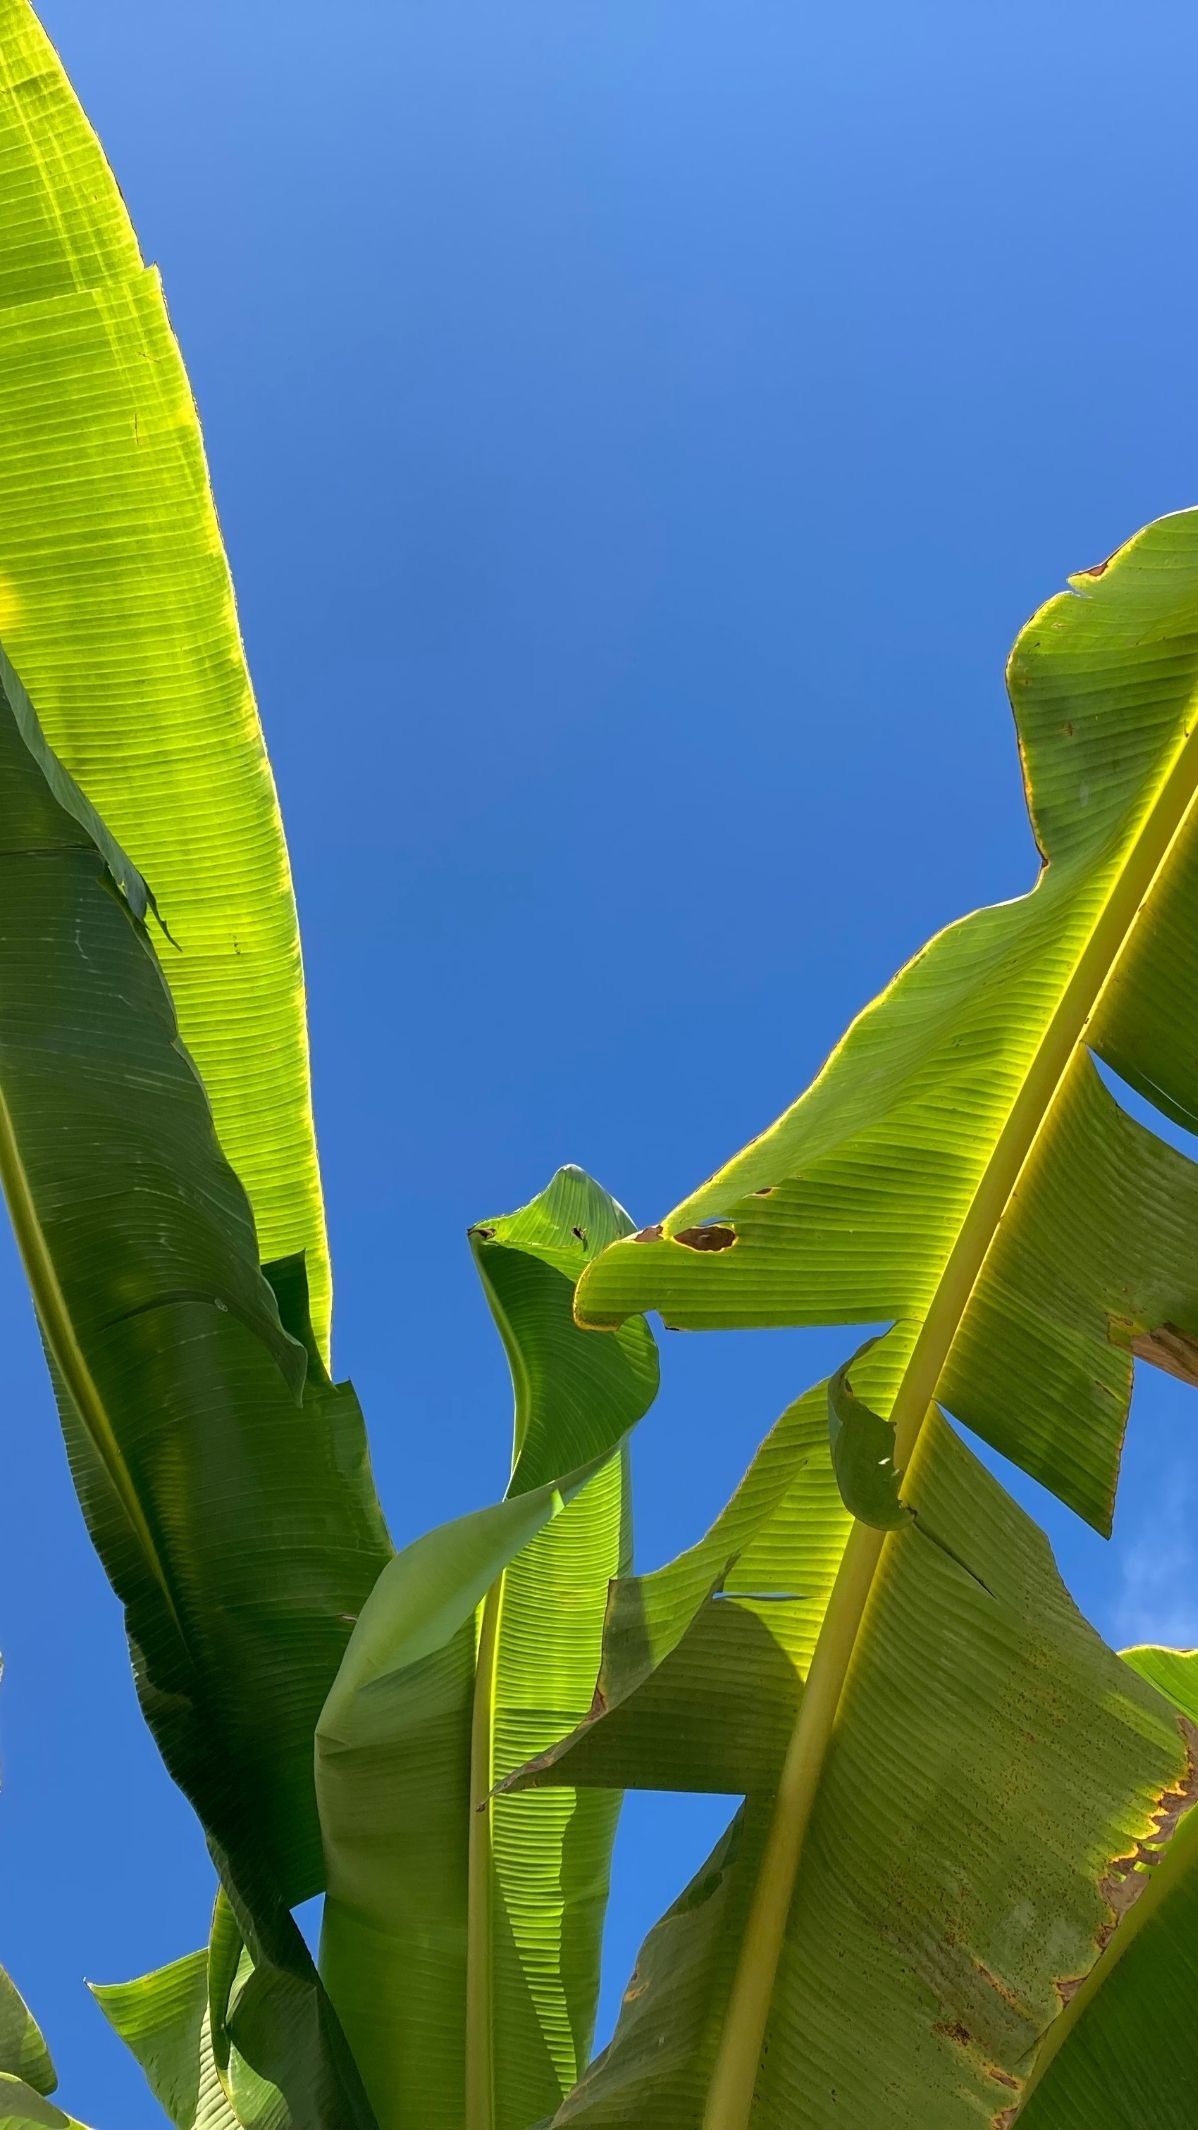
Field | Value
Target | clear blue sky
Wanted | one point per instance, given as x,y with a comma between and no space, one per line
639,431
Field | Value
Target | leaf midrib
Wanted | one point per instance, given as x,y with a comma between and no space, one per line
479,2046
480,1989
730,2096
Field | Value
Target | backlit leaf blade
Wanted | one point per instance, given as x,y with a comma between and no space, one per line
239,1526
117,607
1124,2053
959,1165
445,1926
994,1773
703,1659
958,1158
27,2075
163,2019
23,2051
22,2107
223,2045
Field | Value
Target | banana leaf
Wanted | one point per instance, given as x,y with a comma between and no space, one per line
27,2074
117,607
461,1938
703,1660
961,1167
224,1479
1124,2053
23,2051
163,2018
22,2107
997,1781
224,2044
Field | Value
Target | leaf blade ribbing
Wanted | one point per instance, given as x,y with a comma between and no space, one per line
994,1776
238,1526
117,606
892,1188
461,1935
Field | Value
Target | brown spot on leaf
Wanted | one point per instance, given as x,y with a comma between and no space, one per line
1169,1348
1006,2116
1067,728
715,1238
765,1190
1097,569
955,2032
1127,1877
581,1234
652,1234
1001,1989
483,1234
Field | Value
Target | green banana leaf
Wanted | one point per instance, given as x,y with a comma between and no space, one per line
960,1166
27,2074
996,1781
238,1525
703,1660
117,608
23,2051
1124,2053
163,2019
461,1938
223,2044
957,1161
22,2107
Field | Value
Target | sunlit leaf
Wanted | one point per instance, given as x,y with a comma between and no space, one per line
961,1169
461,1937
237,1523
976,1834
117,608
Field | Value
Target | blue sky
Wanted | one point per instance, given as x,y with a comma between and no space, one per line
639,431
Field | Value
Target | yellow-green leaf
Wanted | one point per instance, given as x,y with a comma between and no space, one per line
117,609
461,1934
1123,2055
960,1166
995,1779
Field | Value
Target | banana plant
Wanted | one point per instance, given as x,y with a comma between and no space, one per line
961,1168
227,1487
961,1886
224,1477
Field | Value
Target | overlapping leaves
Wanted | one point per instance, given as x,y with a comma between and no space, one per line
958,1158
229,1499
461,1937
961,1167
998,1791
